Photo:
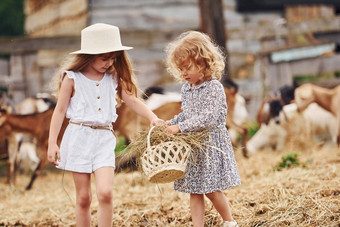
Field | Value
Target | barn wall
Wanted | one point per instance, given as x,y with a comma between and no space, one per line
4,67
148,25
55,18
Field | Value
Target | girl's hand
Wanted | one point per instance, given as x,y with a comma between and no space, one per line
173,129
156,121
53,154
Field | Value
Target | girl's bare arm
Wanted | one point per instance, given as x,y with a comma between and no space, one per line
140,108
58,118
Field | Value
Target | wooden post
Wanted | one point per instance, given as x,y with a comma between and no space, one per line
212,23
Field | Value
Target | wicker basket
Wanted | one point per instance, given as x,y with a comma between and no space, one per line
165,162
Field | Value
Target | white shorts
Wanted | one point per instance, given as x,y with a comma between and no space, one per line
85,150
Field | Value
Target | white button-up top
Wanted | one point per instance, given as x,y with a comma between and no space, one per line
94,101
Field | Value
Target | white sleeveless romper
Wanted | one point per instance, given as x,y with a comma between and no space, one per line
84,149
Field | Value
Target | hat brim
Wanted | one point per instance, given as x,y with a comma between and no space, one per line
102,51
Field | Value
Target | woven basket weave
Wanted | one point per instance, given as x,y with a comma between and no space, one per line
165,162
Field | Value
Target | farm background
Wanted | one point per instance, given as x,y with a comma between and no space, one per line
52,30
303,195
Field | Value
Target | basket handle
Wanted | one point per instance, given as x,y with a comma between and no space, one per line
148,138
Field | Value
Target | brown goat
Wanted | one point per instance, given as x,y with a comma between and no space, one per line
36,124
129,123
329,99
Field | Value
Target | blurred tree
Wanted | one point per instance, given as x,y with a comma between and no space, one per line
212,23
12,18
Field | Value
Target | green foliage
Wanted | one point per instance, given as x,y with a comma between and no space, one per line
337,74
315,77
12,18
252,127
4,56
288,161
121,144
3,168
305,78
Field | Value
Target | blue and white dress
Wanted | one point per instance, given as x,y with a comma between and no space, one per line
210,169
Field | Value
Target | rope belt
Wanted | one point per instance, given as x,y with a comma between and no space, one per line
93,126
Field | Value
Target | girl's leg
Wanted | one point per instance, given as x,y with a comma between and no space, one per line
82,182
104,187
221,204
197,209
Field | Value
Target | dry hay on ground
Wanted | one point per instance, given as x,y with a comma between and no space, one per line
299,196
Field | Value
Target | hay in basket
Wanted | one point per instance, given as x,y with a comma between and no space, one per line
163,156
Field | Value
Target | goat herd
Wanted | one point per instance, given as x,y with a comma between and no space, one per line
307,109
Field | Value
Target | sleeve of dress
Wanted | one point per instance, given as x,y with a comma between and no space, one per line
177,119
213,101
70,74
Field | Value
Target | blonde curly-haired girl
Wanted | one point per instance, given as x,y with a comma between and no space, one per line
195,59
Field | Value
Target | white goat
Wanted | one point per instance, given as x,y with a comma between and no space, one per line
315,122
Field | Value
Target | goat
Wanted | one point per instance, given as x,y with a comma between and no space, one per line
157,100
269,106
27,106
314,121
128,123
27,156
32,105
329,99
36,124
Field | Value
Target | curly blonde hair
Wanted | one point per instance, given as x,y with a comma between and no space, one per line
195,48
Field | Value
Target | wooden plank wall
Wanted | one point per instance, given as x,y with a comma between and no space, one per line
304,13
55,18
147,25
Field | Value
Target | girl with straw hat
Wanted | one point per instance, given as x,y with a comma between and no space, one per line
88,84
194,58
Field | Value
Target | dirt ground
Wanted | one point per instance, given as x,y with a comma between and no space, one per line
306,195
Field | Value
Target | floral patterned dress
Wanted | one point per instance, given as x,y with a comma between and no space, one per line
209,169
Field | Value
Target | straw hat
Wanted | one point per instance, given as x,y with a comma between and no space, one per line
99,39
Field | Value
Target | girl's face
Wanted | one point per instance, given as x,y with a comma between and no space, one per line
102,62
192,75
